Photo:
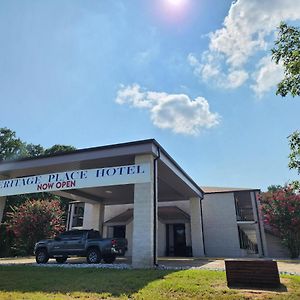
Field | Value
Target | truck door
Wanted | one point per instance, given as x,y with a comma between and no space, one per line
58,246
76,243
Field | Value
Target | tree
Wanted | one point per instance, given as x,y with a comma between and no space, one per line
10,146
287,52
35,220
57,149
34,150
281,210
294,141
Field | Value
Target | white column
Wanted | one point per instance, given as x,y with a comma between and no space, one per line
143,220
259,227
196,227
70,216
2,203
93,216
101,218
2,206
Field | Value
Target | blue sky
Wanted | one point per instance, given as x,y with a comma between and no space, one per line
196,75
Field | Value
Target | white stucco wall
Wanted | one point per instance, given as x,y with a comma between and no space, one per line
114,210
220,226
275,248
92,216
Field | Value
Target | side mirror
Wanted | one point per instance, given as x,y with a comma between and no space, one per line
57,238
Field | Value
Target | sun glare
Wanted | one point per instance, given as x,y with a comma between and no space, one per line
176,2
174,11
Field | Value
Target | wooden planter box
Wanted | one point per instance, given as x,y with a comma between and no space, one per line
252,273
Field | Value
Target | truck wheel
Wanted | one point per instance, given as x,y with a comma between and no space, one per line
109,259
61,260
93,256
41,256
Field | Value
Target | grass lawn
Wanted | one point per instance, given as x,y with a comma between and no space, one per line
28,282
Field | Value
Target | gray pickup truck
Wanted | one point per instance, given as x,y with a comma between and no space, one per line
87,243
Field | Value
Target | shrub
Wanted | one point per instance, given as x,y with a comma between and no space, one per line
35,220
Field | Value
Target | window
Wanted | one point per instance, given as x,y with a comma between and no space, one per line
94,234
78,213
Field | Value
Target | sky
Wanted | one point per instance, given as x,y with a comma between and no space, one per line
196,75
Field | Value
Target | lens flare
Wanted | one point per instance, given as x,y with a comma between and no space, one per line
176,2
173,12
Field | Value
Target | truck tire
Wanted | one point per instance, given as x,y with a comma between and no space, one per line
41,256
61,260
93,256
109,259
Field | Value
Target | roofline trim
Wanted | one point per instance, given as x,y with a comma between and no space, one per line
233,191
83,150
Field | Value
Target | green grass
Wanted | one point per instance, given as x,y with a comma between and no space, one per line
27,282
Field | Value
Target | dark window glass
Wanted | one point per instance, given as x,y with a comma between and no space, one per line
119,231
93,235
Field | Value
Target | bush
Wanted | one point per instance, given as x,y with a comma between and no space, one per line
35,220
281,210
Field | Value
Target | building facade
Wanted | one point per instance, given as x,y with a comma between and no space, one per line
137,190
231,224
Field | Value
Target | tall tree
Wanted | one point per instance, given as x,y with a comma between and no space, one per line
10,146
287,52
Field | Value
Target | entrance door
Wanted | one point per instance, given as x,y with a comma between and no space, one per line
179,240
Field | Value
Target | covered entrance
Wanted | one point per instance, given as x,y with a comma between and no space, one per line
141,174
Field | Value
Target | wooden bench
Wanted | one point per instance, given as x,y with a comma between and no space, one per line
252,273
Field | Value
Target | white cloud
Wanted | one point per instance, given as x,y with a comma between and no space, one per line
246,31
268,75
212,70
177,112
236,78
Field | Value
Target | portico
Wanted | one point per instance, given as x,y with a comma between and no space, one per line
140,173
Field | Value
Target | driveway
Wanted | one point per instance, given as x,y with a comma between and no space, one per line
284,266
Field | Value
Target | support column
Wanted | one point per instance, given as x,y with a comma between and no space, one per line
143,219
94,216
259,227
70,216
2,206
196,227
101,218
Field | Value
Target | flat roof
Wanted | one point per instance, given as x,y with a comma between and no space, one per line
216,189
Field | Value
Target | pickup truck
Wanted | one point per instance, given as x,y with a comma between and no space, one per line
86,243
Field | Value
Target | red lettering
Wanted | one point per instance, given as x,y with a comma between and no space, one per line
45,186
65,184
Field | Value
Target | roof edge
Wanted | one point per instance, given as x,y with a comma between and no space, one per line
83,150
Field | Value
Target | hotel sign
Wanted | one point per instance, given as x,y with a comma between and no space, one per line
138,173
